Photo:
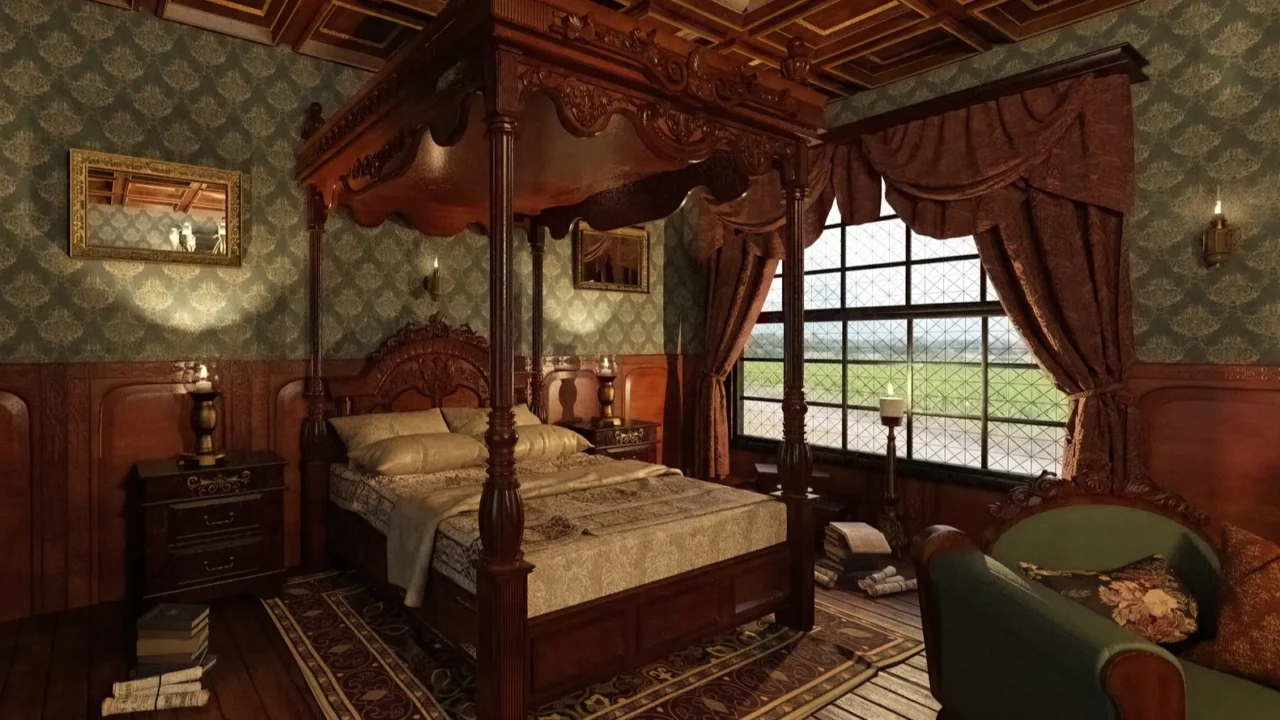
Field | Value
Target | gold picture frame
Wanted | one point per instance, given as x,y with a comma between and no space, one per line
617,260
197,190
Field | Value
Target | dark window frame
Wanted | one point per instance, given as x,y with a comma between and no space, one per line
985,308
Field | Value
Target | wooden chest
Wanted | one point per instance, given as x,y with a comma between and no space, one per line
632,440
202,533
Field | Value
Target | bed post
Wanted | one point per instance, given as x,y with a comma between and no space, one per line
795,459
315,433
537,390
502,653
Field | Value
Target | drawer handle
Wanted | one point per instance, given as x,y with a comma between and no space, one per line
231,517
231,562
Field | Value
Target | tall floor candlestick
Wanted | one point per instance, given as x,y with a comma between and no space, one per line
892,411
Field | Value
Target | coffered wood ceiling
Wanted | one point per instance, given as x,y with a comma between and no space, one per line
856,44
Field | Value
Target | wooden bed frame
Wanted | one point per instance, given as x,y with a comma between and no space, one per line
543,113
434,365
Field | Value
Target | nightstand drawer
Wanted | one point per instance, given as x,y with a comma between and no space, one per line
638,435
215,562
201,483
203,520
647,452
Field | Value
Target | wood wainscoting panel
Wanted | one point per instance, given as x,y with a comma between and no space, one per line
1210,436
16,487
131,419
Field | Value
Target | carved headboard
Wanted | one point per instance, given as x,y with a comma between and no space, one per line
419,367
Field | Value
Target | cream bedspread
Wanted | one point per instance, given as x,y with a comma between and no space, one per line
593,526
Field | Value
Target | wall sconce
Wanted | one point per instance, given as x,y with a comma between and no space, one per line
431,283
1220,238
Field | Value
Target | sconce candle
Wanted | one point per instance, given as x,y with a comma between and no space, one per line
891,406
431,283
1220,238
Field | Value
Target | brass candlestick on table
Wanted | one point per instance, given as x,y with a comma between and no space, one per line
892,411
606,371
204,418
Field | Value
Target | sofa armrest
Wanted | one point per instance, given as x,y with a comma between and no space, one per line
1001,646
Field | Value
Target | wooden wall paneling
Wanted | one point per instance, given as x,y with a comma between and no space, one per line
81,491
54,483
136,411
19,432
1209,435
642,391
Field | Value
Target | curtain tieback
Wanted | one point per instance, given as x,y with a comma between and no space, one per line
714,376
1113,389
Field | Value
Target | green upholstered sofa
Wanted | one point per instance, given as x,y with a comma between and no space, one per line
1002,646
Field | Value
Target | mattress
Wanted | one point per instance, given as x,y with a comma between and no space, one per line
589,543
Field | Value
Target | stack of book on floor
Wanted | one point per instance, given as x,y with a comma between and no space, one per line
851,551
885,582
173,657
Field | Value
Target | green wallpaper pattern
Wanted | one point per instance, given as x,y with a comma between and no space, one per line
80,74
1209,117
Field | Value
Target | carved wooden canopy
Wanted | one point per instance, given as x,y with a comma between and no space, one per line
601,105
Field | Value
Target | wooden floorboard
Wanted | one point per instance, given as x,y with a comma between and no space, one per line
23,695
897,693
60,667
68,682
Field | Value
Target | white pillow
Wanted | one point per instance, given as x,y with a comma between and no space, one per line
475,421
357,431
420,454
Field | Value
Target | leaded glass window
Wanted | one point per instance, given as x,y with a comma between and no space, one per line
887,306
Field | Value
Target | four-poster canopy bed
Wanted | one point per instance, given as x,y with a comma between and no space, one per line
545,112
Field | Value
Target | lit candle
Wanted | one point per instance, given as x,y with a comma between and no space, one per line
435,263
1217,204
891,406
607,368
202,380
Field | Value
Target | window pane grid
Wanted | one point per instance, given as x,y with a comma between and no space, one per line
976,396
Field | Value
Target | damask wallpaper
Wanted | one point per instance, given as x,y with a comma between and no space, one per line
80,74
1208,118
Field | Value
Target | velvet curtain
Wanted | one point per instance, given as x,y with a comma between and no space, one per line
742,242
1042,180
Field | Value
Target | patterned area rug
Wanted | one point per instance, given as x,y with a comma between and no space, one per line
366,659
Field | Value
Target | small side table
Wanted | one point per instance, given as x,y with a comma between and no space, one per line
200,533
632,440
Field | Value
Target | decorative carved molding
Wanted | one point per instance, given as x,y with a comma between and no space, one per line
795,67
435,328
371,166
1045,487
678,74
1049,487
586,109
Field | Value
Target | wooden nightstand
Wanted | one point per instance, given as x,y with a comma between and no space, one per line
632,440
203,533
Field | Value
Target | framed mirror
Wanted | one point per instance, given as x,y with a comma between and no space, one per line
615,260
126,208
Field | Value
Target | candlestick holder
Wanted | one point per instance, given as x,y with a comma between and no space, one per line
606,372
204,420
201,388
890,522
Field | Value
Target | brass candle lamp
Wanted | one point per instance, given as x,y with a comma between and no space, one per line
606,372
202,388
